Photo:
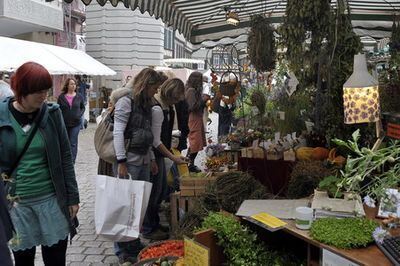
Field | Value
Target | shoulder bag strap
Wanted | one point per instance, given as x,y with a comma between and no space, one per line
37,121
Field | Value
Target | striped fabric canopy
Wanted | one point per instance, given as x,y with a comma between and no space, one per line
204,20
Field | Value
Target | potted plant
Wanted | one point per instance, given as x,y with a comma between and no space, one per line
369,172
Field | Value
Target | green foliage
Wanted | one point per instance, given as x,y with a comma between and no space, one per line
344,233
389,92
369,171
343,44
304,18
256,108
330,184
296,108
239,243
324,62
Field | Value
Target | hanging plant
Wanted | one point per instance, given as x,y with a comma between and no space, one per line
342,45
261,43
305,19
390,89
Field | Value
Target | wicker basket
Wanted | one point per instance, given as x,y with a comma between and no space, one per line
155,244
228,88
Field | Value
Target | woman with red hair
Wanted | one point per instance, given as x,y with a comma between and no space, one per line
41,186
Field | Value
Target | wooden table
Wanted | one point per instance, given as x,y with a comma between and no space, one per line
370,255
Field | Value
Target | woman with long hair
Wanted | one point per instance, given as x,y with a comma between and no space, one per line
196,104
41,187
132,121
72,107
163,115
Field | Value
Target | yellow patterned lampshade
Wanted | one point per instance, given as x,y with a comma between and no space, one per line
361,95
361,105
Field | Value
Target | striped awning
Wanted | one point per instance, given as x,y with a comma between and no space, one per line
204,20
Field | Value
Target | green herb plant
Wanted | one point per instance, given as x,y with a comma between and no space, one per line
344,233
330,184
239,243
368,171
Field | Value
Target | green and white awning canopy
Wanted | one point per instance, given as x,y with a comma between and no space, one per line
204,20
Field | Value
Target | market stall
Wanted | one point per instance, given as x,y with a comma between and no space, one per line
306,132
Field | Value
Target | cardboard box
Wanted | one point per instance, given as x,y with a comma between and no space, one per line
274,154
289,155
258,153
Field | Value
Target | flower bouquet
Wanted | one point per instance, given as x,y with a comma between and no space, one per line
214,164
214,149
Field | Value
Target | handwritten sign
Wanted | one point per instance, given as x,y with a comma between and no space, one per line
196,254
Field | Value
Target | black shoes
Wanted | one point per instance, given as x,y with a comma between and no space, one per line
157,234
194,169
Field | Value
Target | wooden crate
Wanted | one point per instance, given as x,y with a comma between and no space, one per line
194,186
179,206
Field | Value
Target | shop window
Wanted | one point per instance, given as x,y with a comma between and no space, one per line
168,39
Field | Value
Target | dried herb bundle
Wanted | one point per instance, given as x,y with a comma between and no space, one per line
233,188
305,177
261,43
227,193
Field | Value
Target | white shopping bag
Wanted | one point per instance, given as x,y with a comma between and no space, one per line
120,207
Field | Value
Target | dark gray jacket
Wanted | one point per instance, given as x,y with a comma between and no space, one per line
72,114
58,153
6,229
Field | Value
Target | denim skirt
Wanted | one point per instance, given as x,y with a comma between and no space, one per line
38,221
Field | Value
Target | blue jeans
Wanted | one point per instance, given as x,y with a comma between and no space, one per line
73,133
132,248
175,173
152,220
82,122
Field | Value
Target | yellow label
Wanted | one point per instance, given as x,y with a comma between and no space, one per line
268,220
196,254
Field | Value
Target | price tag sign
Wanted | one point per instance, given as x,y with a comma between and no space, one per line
281,115
277,136
195,253
255,143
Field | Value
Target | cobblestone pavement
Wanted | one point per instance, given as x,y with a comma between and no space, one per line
88,249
